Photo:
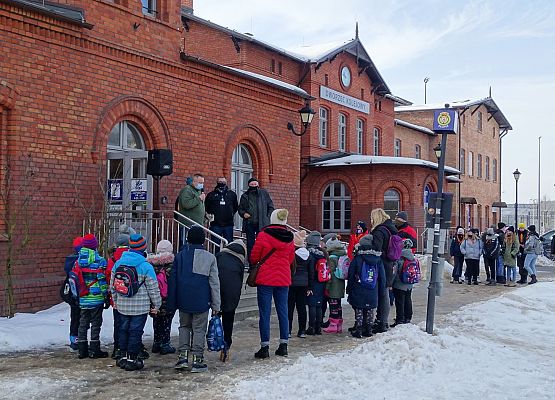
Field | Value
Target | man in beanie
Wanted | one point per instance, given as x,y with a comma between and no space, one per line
360,231
92,297
405,230
255,207
75,313
133,308
193,289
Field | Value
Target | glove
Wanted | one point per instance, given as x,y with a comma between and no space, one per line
106,303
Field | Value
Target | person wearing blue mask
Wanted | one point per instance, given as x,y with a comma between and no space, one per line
191,204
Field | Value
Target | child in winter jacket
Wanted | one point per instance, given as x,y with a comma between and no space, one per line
93,297
335,287
403,290
162,262
509,256
458,257
299,284
471,248
75,313
134,300
316,286
366,277
491,254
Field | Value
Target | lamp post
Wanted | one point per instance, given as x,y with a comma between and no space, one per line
306,113
425,88
539,185
516,174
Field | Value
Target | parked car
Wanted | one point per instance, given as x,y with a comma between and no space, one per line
546,240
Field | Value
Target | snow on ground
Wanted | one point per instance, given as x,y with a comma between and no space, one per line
543,261
22,386
50,328
503,348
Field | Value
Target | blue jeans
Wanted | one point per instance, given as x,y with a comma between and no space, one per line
530,263
511,273
225,231
264,295
131,333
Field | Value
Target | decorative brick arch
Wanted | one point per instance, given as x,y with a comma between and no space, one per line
259,147
431,180
141,113
399,186
323,180
8,95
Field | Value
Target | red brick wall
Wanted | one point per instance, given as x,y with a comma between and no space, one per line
72,89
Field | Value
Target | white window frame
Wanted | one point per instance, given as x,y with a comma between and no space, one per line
241,171
342,202
418,151
392,195
397,148
360,136
342,131
323,127
376,141
149,7
470,163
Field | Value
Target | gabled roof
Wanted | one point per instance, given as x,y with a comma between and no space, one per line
60,12
488,102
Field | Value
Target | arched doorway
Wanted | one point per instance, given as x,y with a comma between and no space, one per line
391,202
241,171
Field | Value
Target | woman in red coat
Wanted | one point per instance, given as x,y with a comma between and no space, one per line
273,279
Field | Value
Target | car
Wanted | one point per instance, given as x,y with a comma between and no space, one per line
546,240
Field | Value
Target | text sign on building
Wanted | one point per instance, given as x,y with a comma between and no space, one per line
339,98
446,121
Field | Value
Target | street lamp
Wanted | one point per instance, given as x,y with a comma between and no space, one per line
306,114
437,150
425,89
516,174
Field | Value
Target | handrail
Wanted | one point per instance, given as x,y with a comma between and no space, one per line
178,218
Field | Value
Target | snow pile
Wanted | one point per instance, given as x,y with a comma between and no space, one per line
499,349
22,386
543,261
50,328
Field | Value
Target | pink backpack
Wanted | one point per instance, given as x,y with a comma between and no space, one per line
162,283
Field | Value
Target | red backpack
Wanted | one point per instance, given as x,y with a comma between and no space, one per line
323,270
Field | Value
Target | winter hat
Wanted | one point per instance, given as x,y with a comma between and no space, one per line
490,233
501,225
314,238
460,231
124,228
90,241
521,225
77,243
511,228
334,244
253,179
122,240
164,246
137,243
402,215
279,217
407,244
366,240
329,236
196,235
299,238
532,228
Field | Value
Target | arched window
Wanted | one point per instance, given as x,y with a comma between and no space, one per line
336,208
391,202
241,171
125,136
376,141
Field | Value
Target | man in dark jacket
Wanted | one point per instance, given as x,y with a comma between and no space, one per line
193,289
522,235
458,256
500,232
552,250
255,207
222,204
406,231
491,253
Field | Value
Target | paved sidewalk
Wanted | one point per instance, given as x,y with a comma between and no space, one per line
52,374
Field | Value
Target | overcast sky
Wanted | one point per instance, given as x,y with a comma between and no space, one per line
464,47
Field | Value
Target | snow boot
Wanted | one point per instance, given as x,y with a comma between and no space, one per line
73,343
198,364
143,354
156,347
166,348
326,324
116,354
225,354
182,361
95,351
83,350
134,363
357,332
264,352
122,362
339,325
534,280
310,331
332,326
366,330
301,334
281,350
318,329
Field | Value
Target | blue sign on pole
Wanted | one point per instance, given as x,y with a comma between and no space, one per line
446,121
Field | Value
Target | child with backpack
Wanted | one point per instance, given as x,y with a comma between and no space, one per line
135,292
335,287
318,275
406,275
366,278
299,284
162,262
65,293
88,285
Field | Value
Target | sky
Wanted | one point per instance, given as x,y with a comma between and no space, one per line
464,47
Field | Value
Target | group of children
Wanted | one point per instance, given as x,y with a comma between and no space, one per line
502,249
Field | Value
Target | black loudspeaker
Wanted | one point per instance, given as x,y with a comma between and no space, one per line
160,162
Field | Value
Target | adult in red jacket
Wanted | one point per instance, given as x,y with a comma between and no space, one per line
360,231
405,230
273,279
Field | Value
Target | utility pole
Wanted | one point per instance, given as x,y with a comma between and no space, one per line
539,186
425,89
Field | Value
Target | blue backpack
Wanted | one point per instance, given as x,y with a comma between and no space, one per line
368,275
215,335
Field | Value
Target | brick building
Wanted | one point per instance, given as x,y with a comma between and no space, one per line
475,151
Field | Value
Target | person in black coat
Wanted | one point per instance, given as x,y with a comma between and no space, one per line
491,253
299,285
458,257
231,267
222,204
382,229
552,250
316,288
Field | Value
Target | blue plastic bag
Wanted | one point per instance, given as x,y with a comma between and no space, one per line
215,334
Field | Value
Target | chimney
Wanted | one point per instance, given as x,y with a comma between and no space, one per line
187,6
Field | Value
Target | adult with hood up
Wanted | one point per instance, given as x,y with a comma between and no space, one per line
405,230
458,257
522,235
299,284
533,248
273,279
232,261
361,297
472,250
491,254
382,230
335,287
360,231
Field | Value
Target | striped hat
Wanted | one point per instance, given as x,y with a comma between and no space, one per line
137,243
90,241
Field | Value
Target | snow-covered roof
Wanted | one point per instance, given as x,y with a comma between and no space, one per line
399,101
454,179
357,159
271,81
488,102
415,127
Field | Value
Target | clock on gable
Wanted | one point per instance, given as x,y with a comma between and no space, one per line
345,76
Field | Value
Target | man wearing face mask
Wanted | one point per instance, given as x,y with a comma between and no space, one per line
255,207
222,203
191,203
458,257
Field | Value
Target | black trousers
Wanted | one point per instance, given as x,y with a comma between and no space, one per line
162,325
297,298
458,267
403,305
228,318
315,317
90,317
491,268
336,311
472,269
74,317
520,263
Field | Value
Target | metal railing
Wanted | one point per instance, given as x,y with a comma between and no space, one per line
214,242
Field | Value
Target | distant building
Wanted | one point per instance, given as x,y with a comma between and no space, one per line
528,214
